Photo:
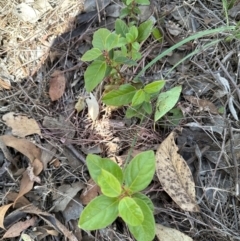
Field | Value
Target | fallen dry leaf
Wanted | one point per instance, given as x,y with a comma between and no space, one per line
5,85
204,105
26,237
16,229
170,234
22,145
80,105
93,107
57,85
21,202
175,175
3,211
50,219
65,195
21,125
91,191
26,186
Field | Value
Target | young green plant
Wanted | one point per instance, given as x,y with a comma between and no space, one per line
121,195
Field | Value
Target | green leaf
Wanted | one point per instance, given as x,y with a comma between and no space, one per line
125,12
144,30
110,186
157,34
125,60
147,106
139,172
129,38
136,55
129,1
96,164
121,27
91,54
174,116
133,112
144,198
138,98
166,101
154,87
136,46
142,2
112,41
146,230
99,213
100,37
130,212
122,96
133,30
94,74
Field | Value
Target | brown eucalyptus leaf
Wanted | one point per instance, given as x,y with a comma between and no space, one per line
21,125
57,85
3,211
16,229
175,175
170,234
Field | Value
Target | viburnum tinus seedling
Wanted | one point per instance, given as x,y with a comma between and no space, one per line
121,195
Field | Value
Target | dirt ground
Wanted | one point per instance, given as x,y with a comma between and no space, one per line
44,182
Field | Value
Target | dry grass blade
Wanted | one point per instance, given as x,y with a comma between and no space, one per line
175,175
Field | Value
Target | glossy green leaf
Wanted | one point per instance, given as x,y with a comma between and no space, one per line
122,96
91,54
142,2
144,198
130,212
100,37
146,230
154,87
138,98
110,186
96,164
139,172
144,30
94,74
112,41
99,213
166,101
121,27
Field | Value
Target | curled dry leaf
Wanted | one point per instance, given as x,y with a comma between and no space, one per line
57,85
175,175
3,211
204,105
21,125
169,234
51,220
93,107
16,229
80,105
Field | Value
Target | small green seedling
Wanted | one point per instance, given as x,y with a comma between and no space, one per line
121,195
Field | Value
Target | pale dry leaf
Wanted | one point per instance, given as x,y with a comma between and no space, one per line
57,85
5,85
16,229
26,237
175,175
22,145
65,195
91,191
232,109
42,6
169,234
93,107
32,176
21,125
3,210
80,105
54,222
202,104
